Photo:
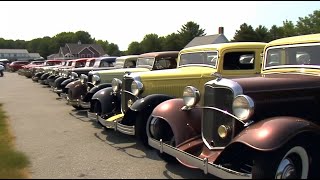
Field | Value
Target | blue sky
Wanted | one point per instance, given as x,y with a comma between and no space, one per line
122,22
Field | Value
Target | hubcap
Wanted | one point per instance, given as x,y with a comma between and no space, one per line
286,170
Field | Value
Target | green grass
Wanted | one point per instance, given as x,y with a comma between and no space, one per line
13,164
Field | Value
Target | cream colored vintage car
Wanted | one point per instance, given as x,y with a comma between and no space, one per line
142,92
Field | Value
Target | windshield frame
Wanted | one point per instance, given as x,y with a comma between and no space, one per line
289,66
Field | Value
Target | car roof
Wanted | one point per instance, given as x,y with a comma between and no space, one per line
310,38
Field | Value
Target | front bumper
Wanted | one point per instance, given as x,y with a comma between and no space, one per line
84,104
203,164
64,96
92,116
56,90
114,122
72,102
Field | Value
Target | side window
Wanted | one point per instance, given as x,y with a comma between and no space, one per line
91,63
130,64
165,63
106,64
238,61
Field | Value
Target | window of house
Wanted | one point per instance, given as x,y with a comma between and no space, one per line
89,55
83,55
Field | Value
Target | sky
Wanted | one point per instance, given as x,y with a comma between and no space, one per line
122,22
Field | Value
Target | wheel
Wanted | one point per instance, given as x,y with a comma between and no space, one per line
140,128
291,162
162,130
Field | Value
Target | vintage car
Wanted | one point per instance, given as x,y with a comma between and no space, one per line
73,74
142,92
16,65
98,97
256,127
75,90
24,68
77,63
37,72
30,70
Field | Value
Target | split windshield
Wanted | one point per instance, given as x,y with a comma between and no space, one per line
200,58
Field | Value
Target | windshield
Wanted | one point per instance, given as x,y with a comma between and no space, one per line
206,58
145,61
293,56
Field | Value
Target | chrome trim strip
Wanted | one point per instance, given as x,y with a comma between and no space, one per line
129,130
202,164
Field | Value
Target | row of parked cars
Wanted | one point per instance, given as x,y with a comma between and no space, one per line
235,110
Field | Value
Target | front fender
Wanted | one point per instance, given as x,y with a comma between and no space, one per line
95,89
76,89
273,133
144,106
66,82
184,124
44,76
58,81
110,103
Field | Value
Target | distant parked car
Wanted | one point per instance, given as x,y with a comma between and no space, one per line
16,65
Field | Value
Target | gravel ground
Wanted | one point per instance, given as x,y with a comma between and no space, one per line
64,143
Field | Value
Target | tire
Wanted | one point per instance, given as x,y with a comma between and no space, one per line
295,157
140,129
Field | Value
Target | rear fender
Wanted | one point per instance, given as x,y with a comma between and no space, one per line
184,124
110,103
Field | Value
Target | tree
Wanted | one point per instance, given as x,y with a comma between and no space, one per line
189,31
289,29
134,48
276,32
245,34
263,34
151,43
309,24
84,37
103,44
171,42
113,50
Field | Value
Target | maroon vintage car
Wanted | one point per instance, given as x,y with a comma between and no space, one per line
257,127
16,65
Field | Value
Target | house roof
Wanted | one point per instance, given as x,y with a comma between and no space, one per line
209,39
76,48
14,51
34,55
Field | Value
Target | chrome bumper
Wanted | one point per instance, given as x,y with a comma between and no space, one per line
64,96
92,116
130,130
203,164
117,126
74,102
84,104
56,90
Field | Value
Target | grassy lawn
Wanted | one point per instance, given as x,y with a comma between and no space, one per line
13,164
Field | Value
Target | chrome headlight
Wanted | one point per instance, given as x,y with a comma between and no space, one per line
95,79
83,78
65,74
191,96
136,88
116,84
74,75
243,107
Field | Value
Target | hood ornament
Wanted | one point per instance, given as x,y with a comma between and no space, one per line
217,75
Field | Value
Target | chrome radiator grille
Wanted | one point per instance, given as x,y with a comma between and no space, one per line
221,98
125,96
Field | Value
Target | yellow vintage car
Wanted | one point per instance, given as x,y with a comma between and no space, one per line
142,92
262,127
